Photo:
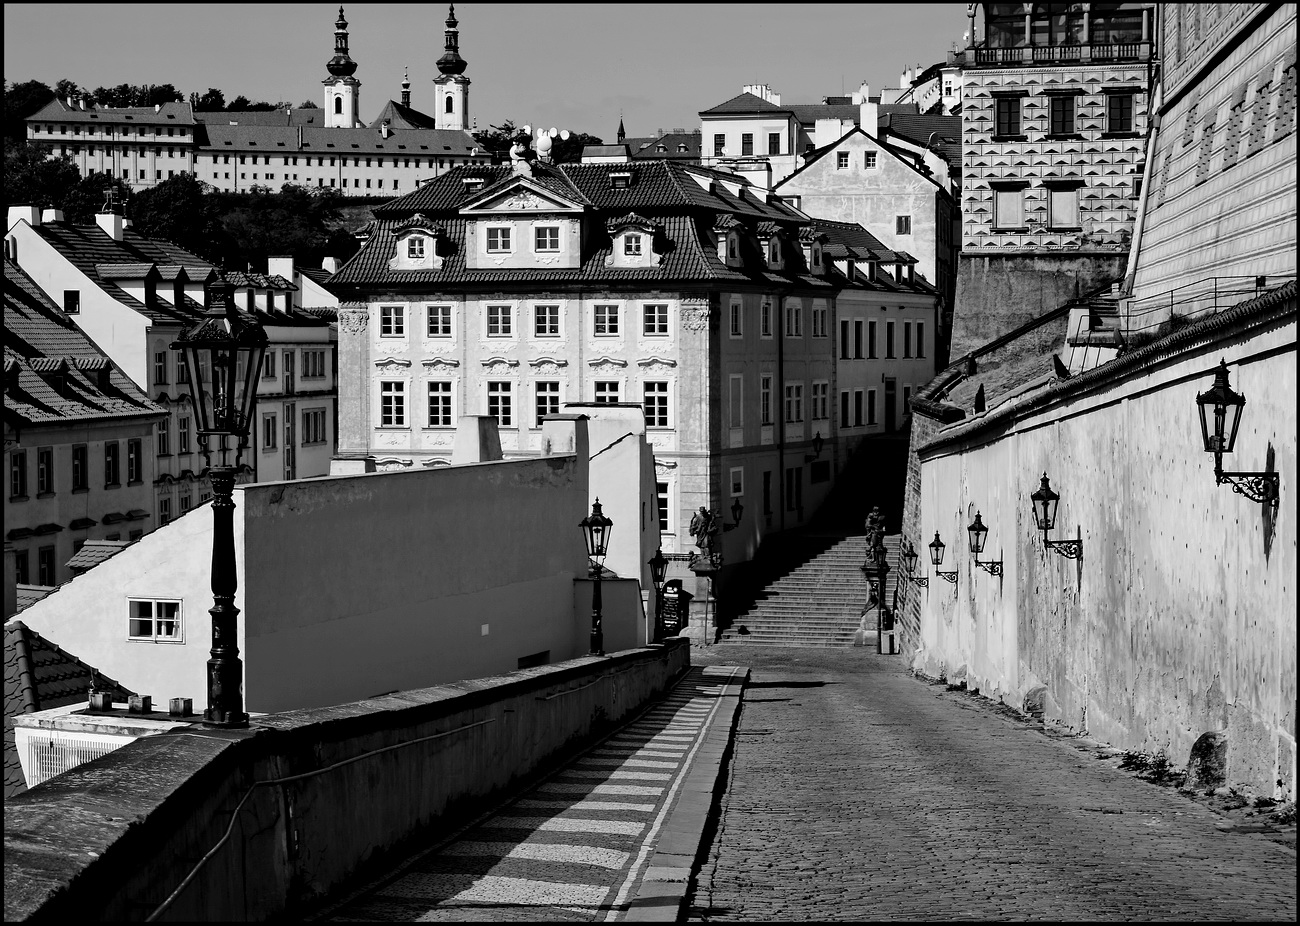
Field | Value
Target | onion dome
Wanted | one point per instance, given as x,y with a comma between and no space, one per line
341,65
451,62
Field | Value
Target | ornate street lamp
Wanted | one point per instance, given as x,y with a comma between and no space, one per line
1045,502
595,531
909,563
223,355
978,533
1220,410
658,569
936,560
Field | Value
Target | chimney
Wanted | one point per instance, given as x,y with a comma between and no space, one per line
82,103
384,131
330,265
280,266
111,223
868,112
51,215
30,214
157,107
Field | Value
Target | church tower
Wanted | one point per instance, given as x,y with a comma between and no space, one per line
342,90
451,86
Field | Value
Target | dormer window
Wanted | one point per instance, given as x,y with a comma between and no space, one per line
472,184
816,256
732,247
498,240
774,253
620,180
415,248
632,245
547,238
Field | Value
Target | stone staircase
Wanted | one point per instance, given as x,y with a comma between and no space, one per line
818,603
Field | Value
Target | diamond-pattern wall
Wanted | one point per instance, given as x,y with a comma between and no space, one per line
1108,169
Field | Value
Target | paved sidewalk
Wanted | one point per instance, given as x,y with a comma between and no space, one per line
859,792
610,835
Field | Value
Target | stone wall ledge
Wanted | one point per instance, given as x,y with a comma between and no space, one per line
301,803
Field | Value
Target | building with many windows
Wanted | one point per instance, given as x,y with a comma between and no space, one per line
79,439
1055,108
329,148
513,291
133,296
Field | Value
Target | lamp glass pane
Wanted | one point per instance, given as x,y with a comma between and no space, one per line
977,532
1232,413
936,551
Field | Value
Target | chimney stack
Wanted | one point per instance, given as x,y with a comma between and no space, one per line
31,214
51,215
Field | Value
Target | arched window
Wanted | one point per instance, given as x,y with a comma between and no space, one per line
338,106
449,107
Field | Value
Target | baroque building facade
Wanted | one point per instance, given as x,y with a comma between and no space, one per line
513,291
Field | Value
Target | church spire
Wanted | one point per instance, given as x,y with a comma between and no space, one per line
406,87
621,133
451,62
341,65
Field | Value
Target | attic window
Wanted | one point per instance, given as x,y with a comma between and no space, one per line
472,184
280,143
328,144
424,147
402,147
355,145
620,180
446,147
230,143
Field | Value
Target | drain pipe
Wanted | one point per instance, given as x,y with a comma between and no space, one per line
780,403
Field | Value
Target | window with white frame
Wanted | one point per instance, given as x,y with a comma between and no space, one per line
392,321
1063,208
499,240
869,160
1009,209
794,402
656,404
546,321
269,432
546,239
440,404
313,426
605,320
765,320
500,321
547,393
164,515
736,317
794,320
655,319
153,620
819,316
821,393
415,247
392,404
661,499
765,398
631,245
268,365
903,224
183,434
439,324
841,160
737,481
606,391
163,438
500,396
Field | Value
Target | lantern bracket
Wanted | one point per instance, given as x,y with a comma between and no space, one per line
993,568
1070,549
950,577
1258,487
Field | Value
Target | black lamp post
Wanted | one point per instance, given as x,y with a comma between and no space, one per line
978,533
1045,502
658,569
936,560
1220,410
595,530
223,354
737,512
909,563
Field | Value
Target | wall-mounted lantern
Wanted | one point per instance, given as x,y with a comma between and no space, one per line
978,533
936,559
909,564
817,443
737,512
1045,502
1220,410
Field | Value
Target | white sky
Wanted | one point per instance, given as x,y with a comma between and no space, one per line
572,66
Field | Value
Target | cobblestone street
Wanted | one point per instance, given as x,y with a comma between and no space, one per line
856,791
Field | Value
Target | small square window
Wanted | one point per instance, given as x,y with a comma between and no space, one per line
154,621
869,160
841,160
605,320
72,301
415,248
498,240
656,319
392,321
499,321
439,321
546,321
903,224
607,391
547,238
632,245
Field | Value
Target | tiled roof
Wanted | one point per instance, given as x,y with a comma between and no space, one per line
317,275
671,142
317,140
94,552
743,104
660,192
123,271
311,116
52,367
40,676
239,278
88,247
403,117
941,133
168,114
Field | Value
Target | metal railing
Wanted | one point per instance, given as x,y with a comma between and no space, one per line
1051,54
1194,300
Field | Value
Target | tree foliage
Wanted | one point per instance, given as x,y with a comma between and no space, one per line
183,210
88,196
21,101
213,101
569,150
33,179
136,95
497,139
